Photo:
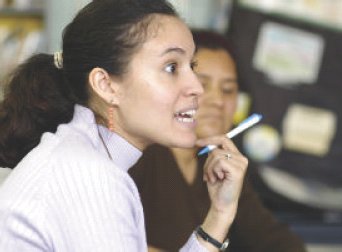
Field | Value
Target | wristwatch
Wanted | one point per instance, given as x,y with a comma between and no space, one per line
205,236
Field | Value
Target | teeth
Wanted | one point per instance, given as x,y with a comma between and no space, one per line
185,120
189,113
186,116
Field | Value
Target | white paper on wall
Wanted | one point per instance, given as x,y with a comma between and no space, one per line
288,55
309,130
321,12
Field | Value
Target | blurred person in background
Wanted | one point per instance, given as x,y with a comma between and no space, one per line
170,181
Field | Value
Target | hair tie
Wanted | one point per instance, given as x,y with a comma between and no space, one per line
58,59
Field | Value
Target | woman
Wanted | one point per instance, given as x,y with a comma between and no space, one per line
73,124
174,197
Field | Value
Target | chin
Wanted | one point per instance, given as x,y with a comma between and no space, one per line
208,133
184,142
208,130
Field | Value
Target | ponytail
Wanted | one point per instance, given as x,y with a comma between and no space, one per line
41,94
37,100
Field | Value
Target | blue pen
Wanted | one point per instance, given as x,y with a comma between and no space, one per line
248,122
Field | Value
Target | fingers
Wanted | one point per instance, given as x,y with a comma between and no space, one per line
223,165
228,155
222,141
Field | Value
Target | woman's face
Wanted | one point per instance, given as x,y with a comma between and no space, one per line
159,93
217,73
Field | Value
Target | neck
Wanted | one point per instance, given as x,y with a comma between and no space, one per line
100,108
187,163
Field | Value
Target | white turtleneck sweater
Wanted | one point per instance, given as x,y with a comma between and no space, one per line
72,193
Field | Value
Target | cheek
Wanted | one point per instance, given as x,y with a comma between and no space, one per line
160,101
229,111
230,105
153,93
162,95
147,92
204,100
202,97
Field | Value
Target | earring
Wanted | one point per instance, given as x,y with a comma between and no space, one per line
111,117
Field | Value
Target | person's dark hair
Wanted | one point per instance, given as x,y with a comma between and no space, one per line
212,40
39,96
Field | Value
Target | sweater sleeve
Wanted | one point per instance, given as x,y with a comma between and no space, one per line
193,245
102,207
75,204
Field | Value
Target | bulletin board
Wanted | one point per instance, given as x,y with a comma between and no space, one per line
326,13
292,70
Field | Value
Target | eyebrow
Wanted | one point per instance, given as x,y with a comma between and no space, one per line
204,76
173,49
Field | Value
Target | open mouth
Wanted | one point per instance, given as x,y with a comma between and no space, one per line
186,116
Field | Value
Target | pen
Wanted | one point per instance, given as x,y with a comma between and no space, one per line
245,124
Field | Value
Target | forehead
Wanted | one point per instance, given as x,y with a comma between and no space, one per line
216,55
215,62
167,32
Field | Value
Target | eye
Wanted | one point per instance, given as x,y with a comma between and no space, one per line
193,65
205,84
171,68
228,89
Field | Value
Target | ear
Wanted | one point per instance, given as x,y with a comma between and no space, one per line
102,84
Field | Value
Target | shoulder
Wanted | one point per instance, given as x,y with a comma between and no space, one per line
71,160
82,163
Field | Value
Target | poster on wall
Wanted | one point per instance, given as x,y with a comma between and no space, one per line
288,55
322,12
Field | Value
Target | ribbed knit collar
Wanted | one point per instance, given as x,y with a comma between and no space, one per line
122,153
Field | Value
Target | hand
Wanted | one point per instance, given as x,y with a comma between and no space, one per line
224,172
224,176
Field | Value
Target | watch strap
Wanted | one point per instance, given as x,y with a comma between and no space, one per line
205,236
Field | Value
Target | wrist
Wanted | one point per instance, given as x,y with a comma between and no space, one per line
202,234
221,217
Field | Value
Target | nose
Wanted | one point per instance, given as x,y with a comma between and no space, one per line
213,95
196,88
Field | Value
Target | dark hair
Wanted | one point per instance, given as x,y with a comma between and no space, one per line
39,97
212,40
